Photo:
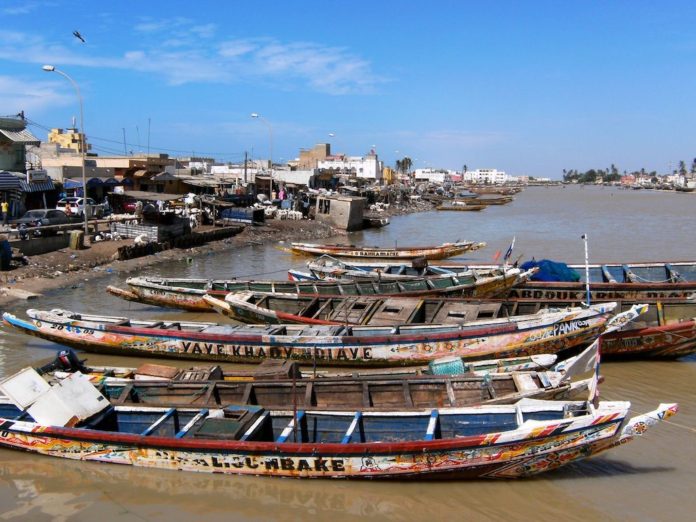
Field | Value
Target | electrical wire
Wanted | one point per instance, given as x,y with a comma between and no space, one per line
33,123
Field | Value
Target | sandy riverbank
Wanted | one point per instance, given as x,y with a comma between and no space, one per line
65,268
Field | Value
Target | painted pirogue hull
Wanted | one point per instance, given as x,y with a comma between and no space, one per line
534,447
549,333
669,341
352,251
608,281
603,292
187,294
670,331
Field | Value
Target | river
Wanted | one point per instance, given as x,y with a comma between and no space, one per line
651,478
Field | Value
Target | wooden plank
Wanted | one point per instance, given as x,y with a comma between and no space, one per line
252,429
290,427
150,429
191,423
450,392
125,393
247,393
408,400
366,395
357,420
309,393
433,426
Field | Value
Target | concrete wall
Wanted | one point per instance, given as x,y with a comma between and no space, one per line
341,212
41,245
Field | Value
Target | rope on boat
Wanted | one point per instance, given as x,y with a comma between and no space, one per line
676,424
688,428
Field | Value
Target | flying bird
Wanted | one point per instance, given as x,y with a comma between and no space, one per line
77,35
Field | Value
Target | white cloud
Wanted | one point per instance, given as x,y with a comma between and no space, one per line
31,96
20,8
187,56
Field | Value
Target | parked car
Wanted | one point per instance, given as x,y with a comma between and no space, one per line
77,207
43,217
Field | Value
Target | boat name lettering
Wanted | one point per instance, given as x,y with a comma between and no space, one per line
276,352
580,295
279,463
557,329
73,329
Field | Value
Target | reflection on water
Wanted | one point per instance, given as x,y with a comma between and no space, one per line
649,479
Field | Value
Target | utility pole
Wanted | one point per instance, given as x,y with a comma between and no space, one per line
245,167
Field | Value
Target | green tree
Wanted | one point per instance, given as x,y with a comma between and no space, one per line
682,168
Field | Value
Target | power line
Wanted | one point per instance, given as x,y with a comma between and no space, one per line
135,146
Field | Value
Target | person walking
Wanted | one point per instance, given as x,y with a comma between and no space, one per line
5,207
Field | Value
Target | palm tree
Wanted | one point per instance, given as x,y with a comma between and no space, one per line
682,168
398,166
406,164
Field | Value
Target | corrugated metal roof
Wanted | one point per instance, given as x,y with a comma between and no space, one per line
22,136
9,181
150,196
37,186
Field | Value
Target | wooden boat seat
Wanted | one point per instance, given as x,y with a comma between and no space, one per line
357,423
433,426
124,322
301,420
172,326
232,426
186,429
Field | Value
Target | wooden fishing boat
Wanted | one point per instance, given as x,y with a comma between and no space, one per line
666,331
461,206
363,252
329,345
344,393
608,281
494,200
187,294
333,269
492,441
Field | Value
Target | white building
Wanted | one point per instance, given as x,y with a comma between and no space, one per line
491,176
359,166
432,175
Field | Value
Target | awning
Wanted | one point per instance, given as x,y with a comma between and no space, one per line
37,186
150,196
22,136
165,176
140,173
72,183
9,181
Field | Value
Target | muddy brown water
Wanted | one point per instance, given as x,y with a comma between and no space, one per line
652,478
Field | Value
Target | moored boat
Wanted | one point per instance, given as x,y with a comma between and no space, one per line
666,331
367,252
635,281
187,294
549,332
493,441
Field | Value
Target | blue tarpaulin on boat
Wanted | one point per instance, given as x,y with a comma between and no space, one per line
551,271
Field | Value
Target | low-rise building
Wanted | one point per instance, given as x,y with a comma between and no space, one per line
486,176
368,167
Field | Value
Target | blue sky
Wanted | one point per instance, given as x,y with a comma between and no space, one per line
527,87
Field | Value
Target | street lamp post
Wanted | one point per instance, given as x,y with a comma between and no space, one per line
51,68
257,116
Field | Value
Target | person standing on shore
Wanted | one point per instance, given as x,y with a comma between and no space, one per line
5,207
